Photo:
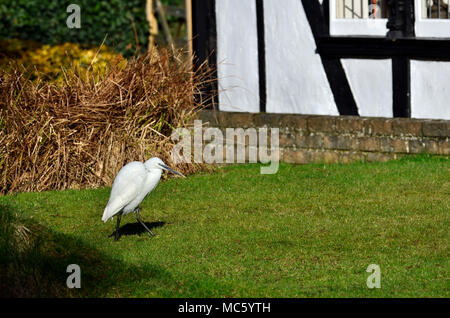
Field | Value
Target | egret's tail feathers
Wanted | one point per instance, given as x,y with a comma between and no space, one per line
110,211
107,214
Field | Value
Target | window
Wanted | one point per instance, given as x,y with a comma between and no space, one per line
361,9
432,18
358,17
435,9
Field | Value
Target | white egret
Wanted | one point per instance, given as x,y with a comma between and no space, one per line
132,184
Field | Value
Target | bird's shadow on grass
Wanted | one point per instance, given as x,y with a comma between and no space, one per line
35,264
137,228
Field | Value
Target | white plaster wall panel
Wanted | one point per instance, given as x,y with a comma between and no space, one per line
295,78
430,89
237,55
371,85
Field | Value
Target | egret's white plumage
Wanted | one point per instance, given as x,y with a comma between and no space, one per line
132,184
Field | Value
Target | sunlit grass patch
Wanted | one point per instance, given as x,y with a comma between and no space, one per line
307,231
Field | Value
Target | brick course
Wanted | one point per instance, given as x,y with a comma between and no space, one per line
305,138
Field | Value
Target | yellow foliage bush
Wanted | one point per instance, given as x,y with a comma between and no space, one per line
50,62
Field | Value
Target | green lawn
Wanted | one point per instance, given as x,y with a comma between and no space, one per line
307,231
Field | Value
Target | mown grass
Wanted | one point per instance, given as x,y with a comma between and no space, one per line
307,231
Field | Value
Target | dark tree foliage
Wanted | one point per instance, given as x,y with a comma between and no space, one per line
44,21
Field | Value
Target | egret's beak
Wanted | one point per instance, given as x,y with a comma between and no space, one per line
171,170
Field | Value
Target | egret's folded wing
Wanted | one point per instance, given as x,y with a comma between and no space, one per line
127,185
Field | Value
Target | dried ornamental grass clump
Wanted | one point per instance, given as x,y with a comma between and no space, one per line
79,133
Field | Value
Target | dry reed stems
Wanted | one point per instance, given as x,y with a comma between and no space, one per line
80,133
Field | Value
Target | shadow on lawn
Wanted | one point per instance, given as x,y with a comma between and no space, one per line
34,260
137,228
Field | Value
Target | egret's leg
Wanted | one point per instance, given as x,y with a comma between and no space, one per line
116,236
143,224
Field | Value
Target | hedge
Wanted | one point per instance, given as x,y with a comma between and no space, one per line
44,21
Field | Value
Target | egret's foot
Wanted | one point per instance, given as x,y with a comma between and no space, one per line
143,224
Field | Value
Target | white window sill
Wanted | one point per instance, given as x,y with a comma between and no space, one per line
370,27
433,28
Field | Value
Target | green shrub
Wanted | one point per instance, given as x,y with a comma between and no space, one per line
44,21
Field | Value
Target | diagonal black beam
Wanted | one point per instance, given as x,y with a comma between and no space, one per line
317,16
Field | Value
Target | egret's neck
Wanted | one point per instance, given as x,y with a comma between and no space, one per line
152,180
154,173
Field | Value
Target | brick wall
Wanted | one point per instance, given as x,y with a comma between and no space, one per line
342,138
